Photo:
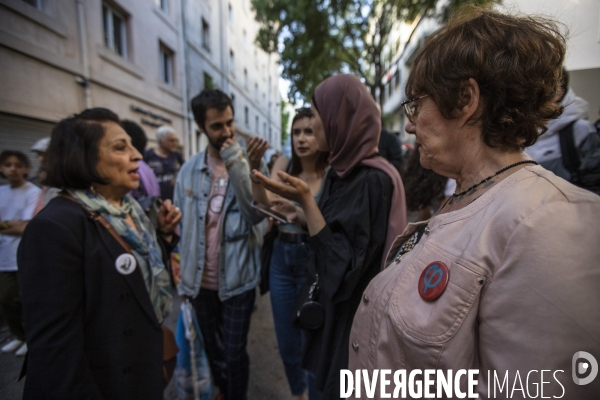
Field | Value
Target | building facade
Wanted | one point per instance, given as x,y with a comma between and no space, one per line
143,59
582,60
220,52
59,57
411,38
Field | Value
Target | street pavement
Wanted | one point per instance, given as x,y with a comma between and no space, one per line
267,375
10,368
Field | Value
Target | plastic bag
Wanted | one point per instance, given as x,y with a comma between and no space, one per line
192,373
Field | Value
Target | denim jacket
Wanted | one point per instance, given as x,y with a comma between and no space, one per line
240,236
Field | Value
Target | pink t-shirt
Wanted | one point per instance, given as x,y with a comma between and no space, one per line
218,188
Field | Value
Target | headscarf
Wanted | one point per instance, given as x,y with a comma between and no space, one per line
352,124
143,244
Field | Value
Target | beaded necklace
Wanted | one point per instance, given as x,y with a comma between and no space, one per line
456,197
414,239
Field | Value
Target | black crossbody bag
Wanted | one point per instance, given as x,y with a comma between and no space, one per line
310,314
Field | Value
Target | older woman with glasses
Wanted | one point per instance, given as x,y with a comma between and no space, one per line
504,279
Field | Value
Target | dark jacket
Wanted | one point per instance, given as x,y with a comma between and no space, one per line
390,149
347,254
91,331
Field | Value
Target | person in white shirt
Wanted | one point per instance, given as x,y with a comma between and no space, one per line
18,200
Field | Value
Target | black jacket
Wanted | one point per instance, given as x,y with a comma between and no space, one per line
91,331
390,149
346,254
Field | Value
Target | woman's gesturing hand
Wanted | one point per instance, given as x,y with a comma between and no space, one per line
285,207
256,149
168,217
293,213
291,188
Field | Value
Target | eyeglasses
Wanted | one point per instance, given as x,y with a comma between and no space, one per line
411,109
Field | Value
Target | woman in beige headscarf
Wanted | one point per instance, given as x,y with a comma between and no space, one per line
360,212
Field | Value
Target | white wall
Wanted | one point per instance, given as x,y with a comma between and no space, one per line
582,17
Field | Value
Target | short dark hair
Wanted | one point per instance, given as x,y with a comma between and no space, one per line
323,156
209,98
421,186
23,159
515,60
72,157
136,133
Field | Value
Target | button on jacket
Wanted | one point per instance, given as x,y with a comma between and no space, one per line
240,237
523,295
91,330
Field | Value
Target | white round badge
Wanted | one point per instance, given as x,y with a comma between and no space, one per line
125,264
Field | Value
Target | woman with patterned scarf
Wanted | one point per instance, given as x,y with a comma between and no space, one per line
95,283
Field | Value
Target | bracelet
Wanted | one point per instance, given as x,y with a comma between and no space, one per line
4,225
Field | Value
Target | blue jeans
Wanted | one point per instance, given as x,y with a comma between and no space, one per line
287,275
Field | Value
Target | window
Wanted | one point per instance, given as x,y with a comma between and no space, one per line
35,3
233,101
208,82
257,123
115,30
256,91
246,116
166,64
231,62
245,38
205,35
245,78
390,88
264,129
162,4
230,14
397,78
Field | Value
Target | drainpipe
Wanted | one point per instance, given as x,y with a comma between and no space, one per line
187,140
224,23
270,82
84,80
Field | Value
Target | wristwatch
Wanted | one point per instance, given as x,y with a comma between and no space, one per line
4,225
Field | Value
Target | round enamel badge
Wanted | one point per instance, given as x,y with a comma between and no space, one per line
433,281
125,264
